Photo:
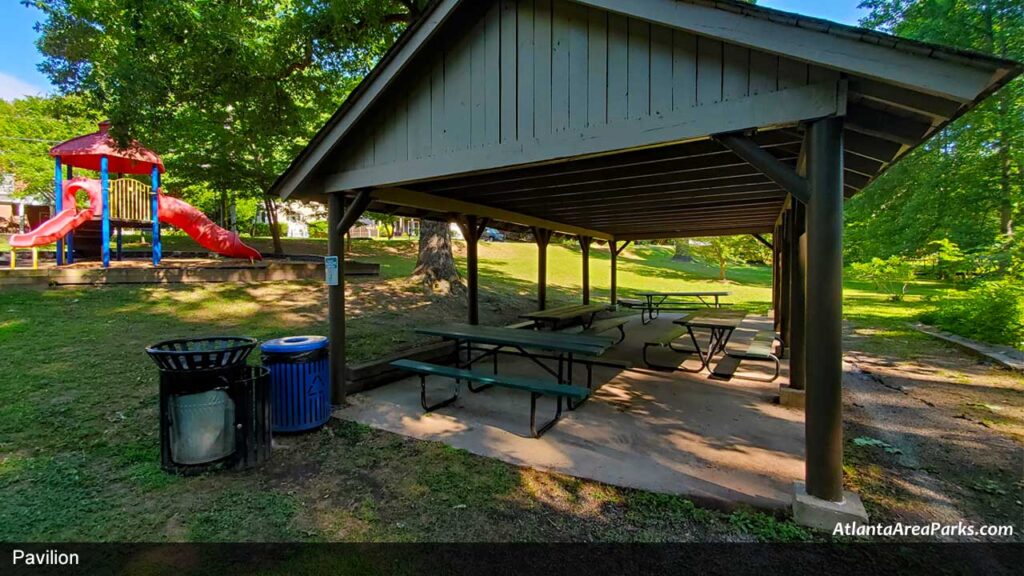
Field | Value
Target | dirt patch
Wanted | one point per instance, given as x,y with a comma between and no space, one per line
934,435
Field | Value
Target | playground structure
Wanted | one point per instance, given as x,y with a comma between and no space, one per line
114,205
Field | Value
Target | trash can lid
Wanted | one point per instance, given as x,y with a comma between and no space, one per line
294,344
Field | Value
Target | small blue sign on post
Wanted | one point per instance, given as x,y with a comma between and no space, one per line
331,270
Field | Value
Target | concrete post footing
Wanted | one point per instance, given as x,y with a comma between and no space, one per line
824,515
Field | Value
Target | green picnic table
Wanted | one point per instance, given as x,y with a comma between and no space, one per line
652,303
719,323
554,317
533,345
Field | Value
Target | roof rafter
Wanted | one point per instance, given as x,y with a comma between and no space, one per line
413,199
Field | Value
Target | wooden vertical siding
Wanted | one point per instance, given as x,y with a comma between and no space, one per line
526,70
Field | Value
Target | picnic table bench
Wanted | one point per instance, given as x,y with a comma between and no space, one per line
535,387
606,324
651,304
720,325
555,317
761,347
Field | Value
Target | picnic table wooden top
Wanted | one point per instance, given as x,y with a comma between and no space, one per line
565,312
712,319
690,294
498,336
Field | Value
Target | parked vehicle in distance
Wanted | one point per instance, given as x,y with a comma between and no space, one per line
492,235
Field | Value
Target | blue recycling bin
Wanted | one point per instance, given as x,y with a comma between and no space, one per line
300,382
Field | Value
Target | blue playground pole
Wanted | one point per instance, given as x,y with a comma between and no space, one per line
155,209
105,187
58,194
69,240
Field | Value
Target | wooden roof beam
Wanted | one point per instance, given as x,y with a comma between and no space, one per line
413,199
690,233
780,173
887,126
784,107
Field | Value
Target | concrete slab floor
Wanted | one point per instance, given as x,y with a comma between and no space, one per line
719,443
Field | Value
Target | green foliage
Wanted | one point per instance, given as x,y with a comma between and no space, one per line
965,184
229,92
262,516
261,229
668,507
889,276
724,250
876,443
767,528
317,229
29,127
385,222
991,312
950,260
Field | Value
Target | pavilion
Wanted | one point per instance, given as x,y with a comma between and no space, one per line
619,120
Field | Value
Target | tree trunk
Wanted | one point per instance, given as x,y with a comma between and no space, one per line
1005,168
682,250
721,269
275,232
435,265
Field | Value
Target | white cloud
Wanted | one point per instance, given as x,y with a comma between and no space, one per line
12,88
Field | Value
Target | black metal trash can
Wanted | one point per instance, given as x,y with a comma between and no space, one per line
300,380
214,409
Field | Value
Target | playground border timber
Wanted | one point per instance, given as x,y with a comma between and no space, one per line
180,273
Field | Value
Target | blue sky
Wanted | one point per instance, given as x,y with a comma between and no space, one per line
19,76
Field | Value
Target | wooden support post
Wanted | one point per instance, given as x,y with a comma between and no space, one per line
614,248
35,258
824,330
336,299
542,236
786,254
14,258
777,233
613,253
472,229
796,295
585,253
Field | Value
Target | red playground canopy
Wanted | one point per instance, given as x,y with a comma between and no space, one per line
86,151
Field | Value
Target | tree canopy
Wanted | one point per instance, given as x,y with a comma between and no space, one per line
967,184
229,92
29,127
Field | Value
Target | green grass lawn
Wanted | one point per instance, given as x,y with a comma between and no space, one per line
78,445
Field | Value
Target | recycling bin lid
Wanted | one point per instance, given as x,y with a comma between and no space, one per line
291,344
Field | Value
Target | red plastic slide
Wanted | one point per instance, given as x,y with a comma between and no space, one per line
52,230
183,215
177,213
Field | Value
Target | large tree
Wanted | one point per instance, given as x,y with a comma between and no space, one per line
724,250
228,91
967,184
29,127
435,266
